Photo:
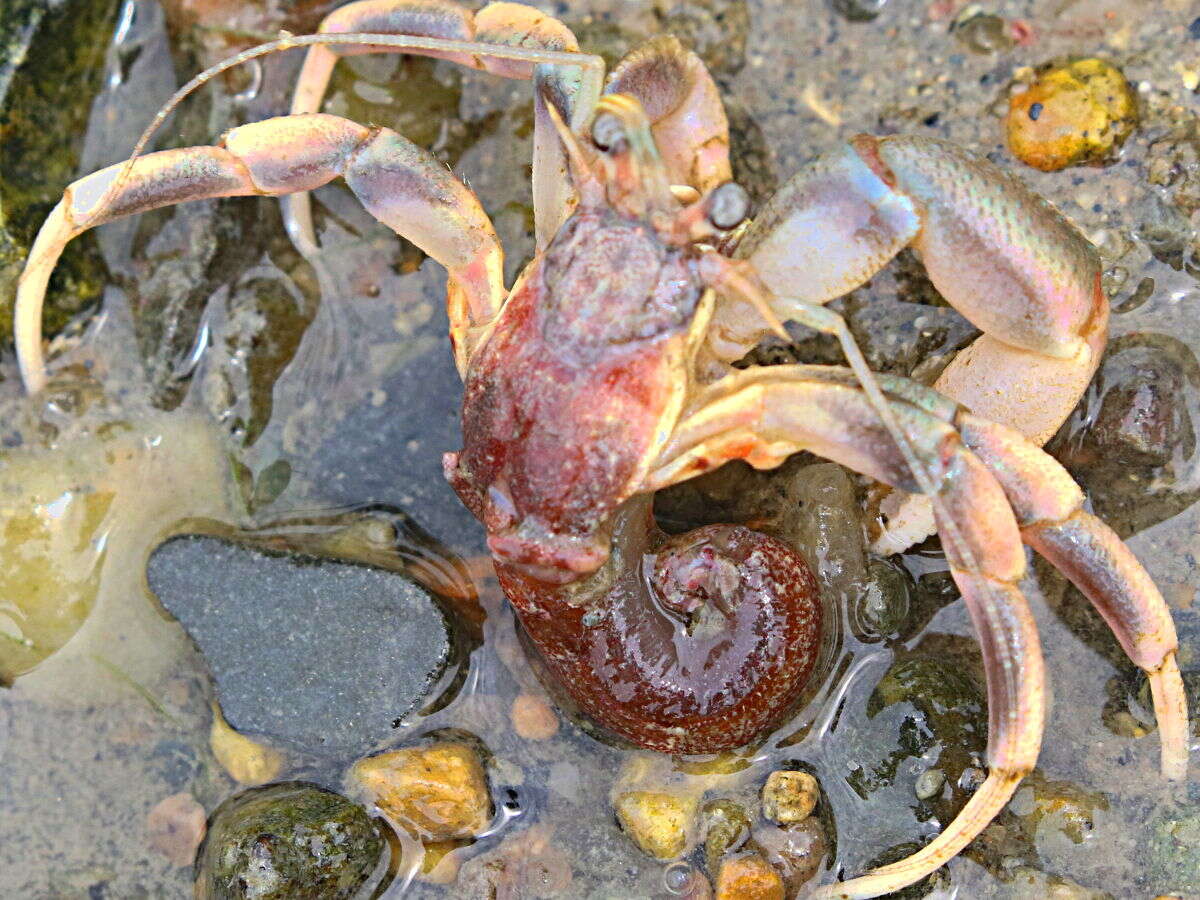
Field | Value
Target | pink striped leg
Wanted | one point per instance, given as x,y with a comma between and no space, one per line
1049,509
498,24
399,183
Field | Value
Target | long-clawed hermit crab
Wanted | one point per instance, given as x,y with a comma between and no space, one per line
604,374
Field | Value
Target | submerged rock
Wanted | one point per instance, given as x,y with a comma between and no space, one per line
748,877
292,840
438,792
789,797
726,829
320,655
50,68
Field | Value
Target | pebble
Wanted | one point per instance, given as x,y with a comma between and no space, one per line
929,783
859,10
176,827
247,761
789,797
661,823
795,851
287,841
748,877
438,792
1072,114
533,718
726,829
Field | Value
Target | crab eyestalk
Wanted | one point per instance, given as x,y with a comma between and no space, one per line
688,644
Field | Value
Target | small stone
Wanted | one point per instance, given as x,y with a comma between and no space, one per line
1030,884
789,797
246,760
289,841
176,827
1071,114
528,865
982,32
726,829
1142,420
929,784
533,718
438,792
972,779
859,10
882,607
748,877
304,651
796,851
659,822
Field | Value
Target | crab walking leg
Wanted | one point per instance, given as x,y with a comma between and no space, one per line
765,415
687,117
997,252
575,90
399,183
1049,509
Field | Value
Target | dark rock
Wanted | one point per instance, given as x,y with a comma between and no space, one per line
1131,443
316,654
923,708
391,452
1142,419
291,840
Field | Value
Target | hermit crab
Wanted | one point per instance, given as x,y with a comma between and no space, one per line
605,374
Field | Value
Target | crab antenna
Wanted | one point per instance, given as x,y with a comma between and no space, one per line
650,171
583,174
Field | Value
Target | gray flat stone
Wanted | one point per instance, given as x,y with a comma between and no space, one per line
320,655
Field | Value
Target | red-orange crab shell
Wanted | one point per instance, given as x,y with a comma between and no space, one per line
573,391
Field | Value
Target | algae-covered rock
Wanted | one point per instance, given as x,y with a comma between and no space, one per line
290,841
51,55
935,710
726,828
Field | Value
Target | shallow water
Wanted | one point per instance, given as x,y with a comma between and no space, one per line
225,379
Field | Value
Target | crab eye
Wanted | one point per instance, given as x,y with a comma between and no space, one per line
607,131
728,205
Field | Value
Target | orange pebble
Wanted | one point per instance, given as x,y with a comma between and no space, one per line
533,718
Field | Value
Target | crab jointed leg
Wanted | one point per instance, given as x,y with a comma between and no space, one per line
574,89
1001,255
399,183
764,415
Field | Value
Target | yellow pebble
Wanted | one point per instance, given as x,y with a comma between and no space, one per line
533,718
438,792
789,797
748,877
660,823
1071,114
246,760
